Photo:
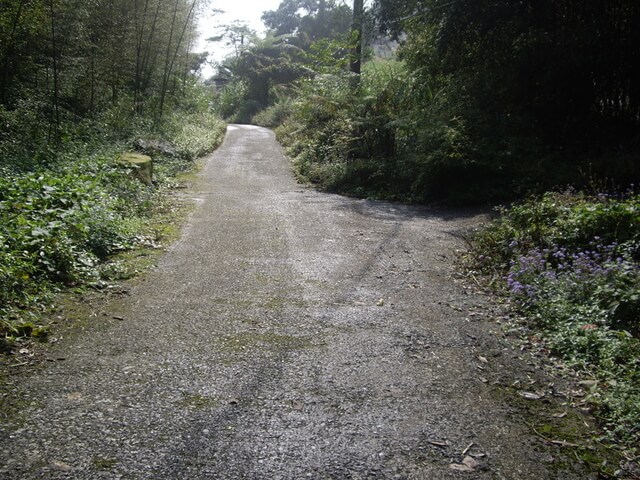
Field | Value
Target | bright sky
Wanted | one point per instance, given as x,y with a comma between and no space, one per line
248,11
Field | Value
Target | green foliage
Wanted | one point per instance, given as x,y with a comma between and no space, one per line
497,100
396,137
349,139
529,91
255,76
72,207
62,61
320,133
571,263
55,225
569,220
309,20
230,99
305,38
328,55
274,115
79,82
236,34
194,134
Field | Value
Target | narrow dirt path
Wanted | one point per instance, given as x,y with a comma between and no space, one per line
289,334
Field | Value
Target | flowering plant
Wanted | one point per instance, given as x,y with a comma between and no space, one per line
570,263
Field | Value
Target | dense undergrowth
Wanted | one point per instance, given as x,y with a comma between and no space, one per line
571,264
387,135
345,138
66,207
377,134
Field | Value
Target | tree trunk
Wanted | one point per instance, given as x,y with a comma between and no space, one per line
55,100
171,59
8,54
139,24
356,36
167,61
93,83
148,64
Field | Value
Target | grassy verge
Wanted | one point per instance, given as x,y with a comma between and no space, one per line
570,264
81,219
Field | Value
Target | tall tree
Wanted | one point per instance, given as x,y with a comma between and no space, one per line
309,20
356,35
64,59
235,34
570,70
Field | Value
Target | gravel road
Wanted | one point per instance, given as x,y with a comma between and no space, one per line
288,334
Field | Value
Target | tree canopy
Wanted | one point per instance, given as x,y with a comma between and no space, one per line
567,71
304,36
78,58
309,20
489,99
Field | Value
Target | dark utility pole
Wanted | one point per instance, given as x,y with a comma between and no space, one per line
356,35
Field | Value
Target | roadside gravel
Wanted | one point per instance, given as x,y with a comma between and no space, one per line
288,334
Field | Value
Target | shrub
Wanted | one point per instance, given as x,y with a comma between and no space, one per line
273,116
194,134
343,134
230,99
570,262
61,217
46,238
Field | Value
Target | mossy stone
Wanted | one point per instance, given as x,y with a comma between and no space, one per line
142,166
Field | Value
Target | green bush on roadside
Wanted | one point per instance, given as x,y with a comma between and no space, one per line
571,264
55,225
343,132
65,211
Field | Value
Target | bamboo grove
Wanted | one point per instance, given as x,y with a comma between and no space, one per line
68,59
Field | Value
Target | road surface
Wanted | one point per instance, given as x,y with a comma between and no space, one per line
288,334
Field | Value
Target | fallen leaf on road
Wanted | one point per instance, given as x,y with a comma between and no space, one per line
380,303
469,464
438,443
564,443
530,395
61,466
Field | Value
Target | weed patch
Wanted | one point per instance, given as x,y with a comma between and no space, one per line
570,262
75,219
